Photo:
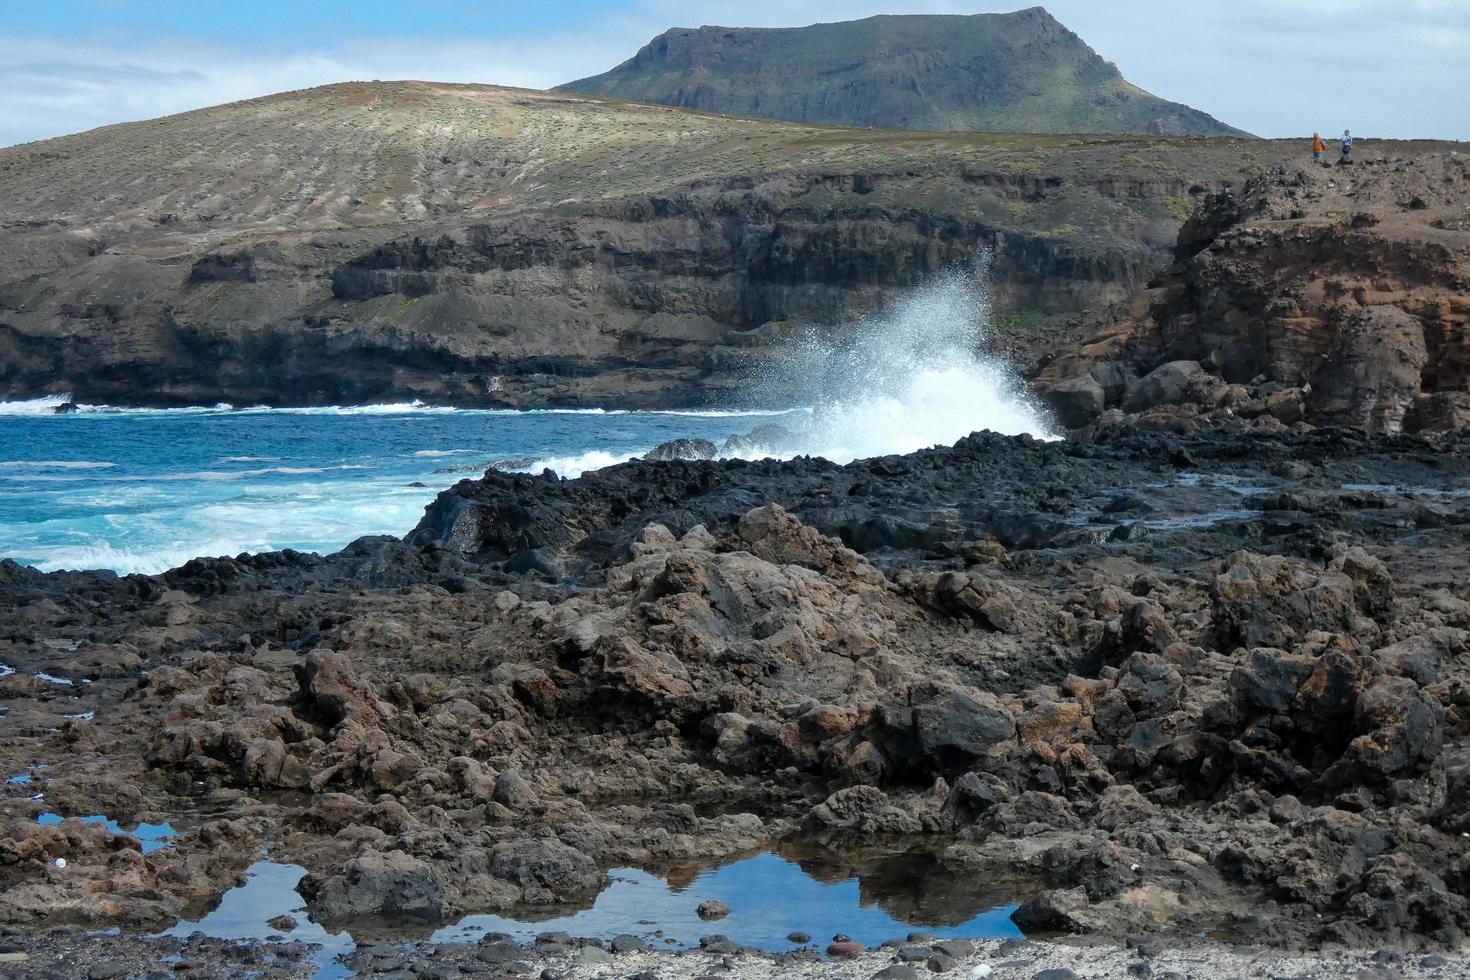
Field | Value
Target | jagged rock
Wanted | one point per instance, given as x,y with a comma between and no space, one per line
683,449
546,867
1271,601
377,883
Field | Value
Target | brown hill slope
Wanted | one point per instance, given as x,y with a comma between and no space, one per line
486,245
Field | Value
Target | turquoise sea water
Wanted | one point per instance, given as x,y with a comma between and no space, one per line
146,490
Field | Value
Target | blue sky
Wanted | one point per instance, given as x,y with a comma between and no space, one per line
1392,68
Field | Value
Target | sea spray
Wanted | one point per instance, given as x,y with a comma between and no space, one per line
913,376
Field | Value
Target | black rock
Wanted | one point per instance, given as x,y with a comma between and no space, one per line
628,944
942,963
799,938
683,449
1146,946
898,971
958,948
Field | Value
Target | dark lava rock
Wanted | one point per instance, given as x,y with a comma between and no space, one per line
498,952
799,938
942,963
1061,973
683,449
1146,946
898,971
712,908
593,956
958,948
914,954
628,944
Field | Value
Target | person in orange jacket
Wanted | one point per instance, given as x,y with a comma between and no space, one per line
1319,148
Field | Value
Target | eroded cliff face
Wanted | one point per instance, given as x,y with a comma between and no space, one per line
1337,295
640,302
474,245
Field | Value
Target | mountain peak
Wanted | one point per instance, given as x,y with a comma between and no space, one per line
1012,72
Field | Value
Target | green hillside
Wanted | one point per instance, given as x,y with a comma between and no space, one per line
1022,72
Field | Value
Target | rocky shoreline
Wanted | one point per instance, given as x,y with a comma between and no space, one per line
71,953
1170,684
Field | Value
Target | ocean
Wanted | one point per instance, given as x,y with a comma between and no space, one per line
145,490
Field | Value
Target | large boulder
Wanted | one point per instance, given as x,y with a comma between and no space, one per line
955,726
1167,384
391,883
1271,601
1076,402
546,870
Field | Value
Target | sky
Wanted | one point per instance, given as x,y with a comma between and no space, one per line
1386,68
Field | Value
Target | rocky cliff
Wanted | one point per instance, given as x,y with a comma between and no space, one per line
1339,295
481,245
1021,72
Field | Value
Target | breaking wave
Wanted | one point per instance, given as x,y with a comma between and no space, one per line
914,376
571,467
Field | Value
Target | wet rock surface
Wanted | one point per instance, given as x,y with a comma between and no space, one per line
1167,684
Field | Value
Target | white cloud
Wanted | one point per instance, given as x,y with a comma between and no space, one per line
1275,67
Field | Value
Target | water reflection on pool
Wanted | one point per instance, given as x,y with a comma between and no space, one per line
769,897
868,895
269,891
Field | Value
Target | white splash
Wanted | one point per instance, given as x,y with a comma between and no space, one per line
906,379
571,467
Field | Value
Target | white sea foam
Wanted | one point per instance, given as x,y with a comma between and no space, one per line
571,467
222,475
439,453
34,406
249,459
56,464
906,379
